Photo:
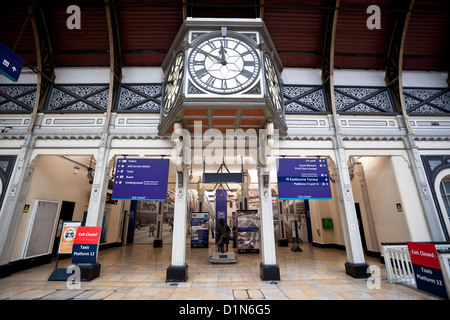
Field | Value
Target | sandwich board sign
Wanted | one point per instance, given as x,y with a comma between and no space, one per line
427,268
85,245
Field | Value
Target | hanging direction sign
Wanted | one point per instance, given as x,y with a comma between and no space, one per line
141,179
305,178
10,63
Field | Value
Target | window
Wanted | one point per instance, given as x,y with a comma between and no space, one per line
445,193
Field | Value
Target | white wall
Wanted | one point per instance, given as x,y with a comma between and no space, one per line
359,78
142,75
384,194
54,180
81,75
301,76
425,79
320,209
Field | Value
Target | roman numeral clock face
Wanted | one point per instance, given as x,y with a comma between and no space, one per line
224,65
173,83
273,84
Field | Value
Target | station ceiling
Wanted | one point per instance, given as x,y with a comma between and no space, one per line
146,29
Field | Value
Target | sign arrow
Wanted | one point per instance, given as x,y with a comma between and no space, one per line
14,69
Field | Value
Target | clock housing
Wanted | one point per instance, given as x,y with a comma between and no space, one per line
225,84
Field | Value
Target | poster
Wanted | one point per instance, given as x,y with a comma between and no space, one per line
427,269
85,245
247,231
141,179
199,229
305,178
69,231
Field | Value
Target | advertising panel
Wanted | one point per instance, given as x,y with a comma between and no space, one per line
199,229
305,178
68,234
247,231
141,179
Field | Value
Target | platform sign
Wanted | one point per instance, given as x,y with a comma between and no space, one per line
85,245
68,234
199,229
427,269
305,178
10,63
141,179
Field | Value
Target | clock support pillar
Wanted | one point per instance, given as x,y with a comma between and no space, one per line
269,269
178,269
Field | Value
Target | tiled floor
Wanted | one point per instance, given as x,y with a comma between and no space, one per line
138,272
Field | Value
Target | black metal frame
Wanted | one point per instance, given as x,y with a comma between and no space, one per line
295,99
427,101
364,101
78,98
147,98
26,109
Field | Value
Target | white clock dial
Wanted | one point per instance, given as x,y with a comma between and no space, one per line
224,65
273,84
173,83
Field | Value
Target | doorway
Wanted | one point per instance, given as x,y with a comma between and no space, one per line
361,228
65,214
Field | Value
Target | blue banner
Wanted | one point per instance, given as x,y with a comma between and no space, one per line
141,179
303,179
221,207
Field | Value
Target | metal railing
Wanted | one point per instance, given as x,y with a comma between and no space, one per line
398,262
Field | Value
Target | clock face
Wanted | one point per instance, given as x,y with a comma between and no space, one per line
224,65
173,83
273,84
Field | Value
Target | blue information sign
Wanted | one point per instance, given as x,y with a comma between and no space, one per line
141,179
10,63
305,178
84,253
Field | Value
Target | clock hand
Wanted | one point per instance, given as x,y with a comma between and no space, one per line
222,54
210,55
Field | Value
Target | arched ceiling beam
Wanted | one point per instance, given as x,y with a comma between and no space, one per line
115,61
393,76
328,55
45,66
